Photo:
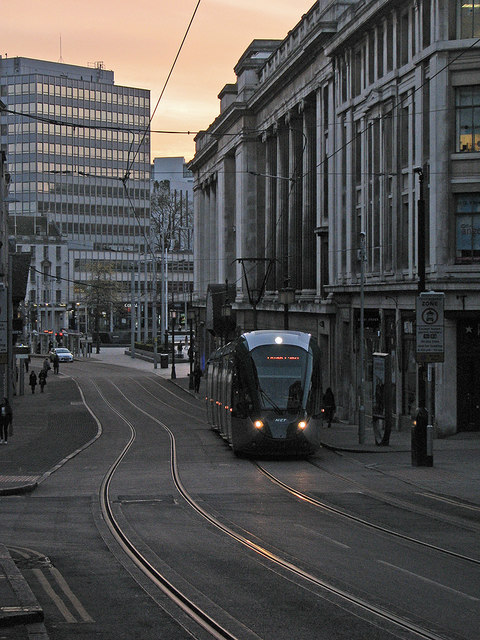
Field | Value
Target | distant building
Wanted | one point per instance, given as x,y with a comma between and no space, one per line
172,222
47,294
78,156
176,171
334,135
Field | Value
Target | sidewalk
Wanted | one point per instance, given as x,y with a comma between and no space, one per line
50,428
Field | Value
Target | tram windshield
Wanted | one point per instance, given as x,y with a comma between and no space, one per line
280,372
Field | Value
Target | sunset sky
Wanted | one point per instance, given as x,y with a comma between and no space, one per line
139,41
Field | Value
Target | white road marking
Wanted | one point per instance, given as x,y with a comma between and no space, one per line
436,584
62,583
61,606
321,535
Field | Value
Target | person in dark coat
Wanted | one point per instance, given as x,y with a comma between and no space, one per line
46,366
42,379
328,406
56,363
6,417
197,374
33,380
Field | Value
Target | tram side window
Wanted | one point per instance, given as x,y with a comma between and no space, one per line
241,401
314,406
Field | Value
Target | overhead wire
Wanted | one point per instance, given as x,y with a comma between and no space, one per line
127,172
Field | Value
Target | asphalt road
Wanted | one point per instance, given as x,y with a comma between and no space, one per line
337,573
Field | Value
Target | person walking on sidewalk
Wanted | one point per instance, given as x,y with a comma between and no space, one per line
33,380
46,366
328,406
197,374
42,379
56,363
6,417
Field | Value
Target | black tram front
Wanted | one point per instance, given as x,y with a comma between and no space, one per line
264,393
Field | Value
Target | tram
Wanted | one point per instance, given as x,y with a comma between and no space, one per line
264,393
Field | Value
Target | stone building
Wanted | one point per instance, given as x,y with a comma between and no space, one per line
322,151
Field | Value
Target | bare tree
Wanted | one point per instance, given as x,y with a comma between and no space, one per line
171,217
99,293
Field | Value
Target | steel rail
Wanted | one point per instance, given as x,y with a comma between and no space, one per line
210,625
366,523
360,603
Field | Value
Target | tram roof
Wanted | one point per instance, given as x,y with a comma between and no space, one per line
257,338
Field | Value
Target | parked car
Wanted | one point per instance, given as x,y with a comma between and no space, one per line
64,355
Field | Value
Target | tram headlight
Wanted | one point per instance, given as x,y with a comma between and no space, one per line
302,425
258,424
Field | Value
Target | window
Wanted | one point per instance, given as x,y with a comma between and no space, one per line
468,228
467,108
468,18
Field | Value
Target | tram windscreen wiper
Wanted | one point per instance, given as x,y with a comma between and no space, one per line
266,397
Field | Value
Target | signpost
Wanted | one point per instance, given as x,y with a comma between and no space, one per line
429,349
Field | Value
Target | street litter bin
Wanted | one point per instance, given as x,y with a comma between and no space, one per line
164,361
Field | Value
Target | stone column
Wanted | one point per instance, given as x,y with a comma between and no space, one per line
308,201
247,237
270,142
282,205
295,192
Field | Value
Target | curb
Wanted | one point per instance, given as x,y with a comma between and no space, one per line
27,609
20,490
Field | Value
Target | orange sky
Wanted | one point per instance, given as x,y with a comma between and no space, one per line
139,41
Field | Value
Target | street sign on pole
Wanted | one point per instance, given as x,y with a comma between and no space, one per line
430,327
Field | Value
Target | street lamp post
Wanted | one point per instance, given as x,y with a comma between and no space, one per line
286,296
173,317
191,318
361,411
422,433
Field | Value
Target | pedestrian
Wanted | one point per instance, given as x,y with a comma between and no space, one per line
56,363
46,366
33,380
197,374
328,406
42,379
6,418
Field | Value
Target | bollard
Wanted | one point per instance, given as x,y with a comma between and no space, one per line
422,440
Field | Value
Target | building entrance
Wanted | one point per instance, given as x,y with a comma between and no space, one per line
468,375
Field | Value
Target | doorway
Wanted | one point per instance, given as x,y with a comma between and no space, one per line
468,375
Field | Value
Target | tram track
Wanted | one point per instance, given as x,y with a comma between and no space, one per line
377,495
199,615
358,520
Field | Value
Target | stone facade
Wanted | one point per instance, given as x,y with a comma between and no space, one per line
365,109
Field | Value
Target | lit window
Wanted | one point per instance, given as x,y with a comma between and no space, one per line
467,109
467,221
468,18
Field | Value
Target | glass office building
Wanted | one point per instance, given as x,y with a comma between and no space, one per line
78,151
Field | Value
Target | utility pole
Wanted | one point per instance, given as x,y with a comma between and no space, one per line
361,410
154,309
422,431
132,312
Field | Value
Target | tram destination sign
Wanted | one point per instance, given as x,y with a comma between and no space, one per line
430,327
